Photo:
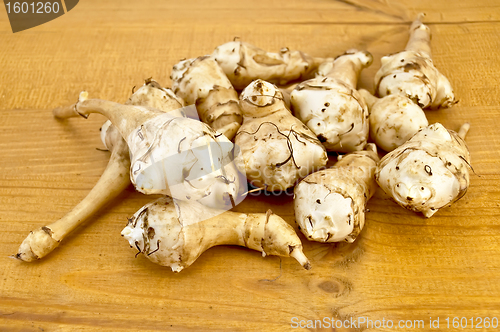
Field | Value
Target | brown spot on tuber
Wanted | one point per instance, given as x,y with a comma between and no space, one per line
411,66
47,230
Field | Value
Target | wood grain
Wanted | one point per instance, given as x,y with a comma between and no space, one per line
403,266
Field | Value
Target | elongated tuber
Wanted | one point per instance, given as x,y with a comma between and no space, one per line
330,105
394,119
243,63
429,171
277,149
165,233
202,82
113,181
330,204
412,72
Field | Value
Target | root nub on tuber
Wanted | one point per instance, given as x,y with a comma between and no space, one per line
412,72
202,82
243,63
277,149
429,171
331,106
330,204
168,232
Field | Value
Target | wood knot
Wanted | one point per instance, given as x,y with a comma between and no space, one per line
330,286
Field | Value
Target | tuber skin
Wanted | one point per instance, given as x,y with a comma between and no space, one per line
202,82
243,63
112,182
330,204
330,105
164,231
394,119
170,155
277,149
152,94
429,171
412,72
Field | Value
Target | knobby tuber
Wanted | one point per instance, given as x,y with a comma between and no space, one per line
330,204
165,233
202,82
429,171
330,105
412,72
393,119
277,149
243,63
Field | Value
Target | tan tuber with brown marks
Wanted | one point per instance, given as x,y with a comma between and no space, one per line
429,171
243,63
330,105
202,82
412,73
330,204
394,119
277,149
170,233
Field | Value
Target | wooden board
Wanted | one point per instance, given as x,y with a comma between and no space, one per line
403,266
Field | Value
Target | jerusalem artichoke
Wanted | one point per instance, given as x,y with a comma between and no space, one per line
412,72
429,171
114,179
393,119
202,82
152,94
330,204
168,232
277,149
330,105
176,156
244,63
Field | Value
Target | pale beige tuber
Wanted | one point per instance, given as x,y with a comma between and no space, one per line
330,204
171,155
331,106
429,171
243,63
277,149
170,233
202,82
412,73
394,119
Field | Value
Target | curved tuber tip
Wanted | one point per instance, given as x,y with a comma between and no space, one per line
37,244
65,112
300,257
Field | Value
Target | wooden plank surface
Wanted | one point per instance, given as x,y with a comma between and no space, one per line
403,266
